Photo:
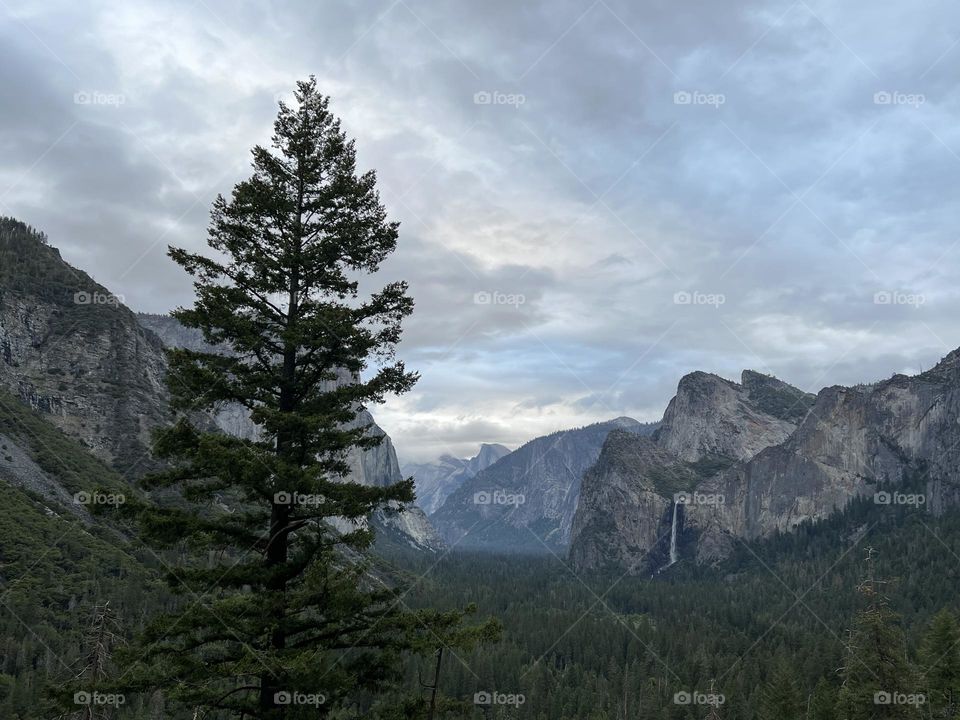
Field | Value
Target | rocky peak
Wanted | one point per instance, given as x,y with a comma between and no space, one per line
947,370
850,442
526,500
436,480
712,416
710,425
74,352
488,455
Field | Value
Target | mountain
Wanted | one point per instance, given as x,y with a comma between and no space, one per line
526,500
713,417
436,480
893,441
896,440
72,351
76,354
59,556
82,385
625,516
376,466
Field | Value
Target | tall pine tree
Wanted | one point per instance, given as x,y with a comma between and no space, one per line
823,701
781,698
280,618
940,659
879,683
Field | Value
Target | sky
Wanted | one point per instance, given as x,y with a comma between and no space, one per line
595,196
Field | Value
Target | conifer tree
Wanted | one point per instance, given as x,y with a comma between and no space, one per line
879,682
940,660
713,713
280,617
80,698
781,698
823,701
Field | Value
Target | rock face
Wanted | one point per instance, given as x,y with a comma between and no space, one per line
72,351
525,501
624,519
232,418
376,466
710,416
620,518
895,440
901,435
435,481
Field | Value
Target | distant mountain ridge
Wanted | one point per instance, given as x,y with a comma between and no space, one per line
526,500
436,480
757,458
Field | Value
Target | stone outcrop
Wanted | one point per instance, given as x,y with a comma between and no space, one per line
900,435
711,426
376,466
436,480
525,501
72,351
711,416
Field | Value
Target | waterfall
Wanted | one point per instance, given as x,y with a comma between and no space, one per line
673,535
673,539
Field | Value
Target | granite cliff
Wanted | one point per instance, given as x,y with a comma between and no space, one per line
526,500
436,480
896,440
625,515
744,462
74,353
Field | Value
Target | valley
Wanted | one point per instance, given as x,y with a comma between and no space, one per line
427,360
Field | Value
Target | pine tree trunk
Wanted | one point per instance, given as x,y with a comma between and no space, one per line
277,550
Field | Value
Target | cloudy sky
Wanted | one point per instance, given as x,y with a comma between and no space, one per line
596,196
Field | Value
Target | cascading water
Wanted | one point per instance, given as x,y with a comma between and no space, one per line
673,539
673,535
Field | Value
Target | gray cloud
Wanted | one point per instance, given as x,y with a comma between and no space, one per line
804,174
